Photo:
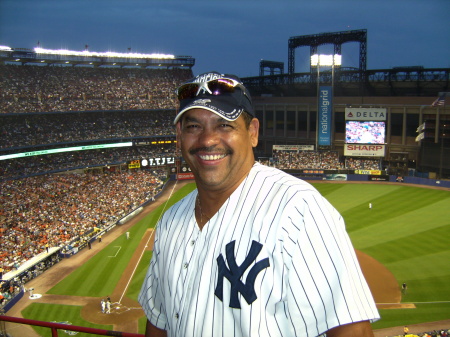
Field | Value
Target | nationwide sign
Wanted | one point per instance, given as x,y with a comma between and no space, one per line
358,150
365,114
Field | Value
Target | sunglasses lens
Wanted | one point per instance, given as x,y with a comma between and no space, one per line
187,91
216,87
221,86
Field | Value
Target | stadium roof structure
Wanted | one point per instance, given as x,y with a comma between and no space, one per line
42,56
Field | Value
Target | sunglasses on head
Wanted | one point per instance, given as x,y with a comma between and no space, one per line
215,87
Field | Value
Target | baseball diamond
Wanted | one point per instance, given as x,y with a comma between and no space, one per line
125,312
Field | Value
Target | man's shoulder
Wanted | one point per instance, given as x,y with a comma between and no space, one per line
271,176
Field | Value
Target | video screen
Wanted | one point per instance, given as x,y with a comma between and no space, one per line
365,132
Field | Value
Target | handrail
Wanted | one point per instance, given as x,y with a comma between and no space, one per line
59,326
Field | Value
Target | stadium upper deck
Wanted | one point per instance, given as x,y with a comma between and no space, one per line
97,59
28,89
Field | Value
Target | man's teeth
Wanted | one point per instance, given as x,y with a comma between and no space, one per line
212,156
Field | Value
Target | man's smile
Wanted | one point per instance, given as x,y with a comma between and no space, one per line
212,156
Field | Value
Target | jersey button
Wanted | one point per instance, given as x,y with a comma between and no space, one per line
192,242
186,265
177,316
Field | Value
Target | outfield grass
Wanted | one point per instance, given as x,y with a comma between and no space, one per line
406,230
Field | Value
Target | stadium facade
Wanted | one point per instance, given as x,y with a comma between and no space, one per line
415,130
417,121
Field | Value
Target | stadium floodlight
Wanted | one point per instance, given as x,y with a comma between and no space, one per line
86,53
5,48
326,60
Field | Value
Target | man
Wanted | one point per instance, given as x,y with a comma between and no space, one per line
252,251
405,330
404,288
108,306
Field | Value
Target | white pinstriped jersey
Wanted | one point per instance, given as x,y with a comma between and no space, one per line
275,260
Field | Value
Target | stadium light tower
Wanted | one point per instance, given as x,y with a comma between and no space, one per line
324,98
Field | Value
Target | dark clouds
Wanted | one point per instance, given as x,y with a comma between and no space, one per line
233,36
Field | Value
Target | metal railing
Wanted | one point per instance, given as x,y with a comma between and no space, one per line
59,326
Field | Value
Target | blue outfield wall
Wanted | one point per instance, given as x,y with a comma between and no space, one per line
407,179
357,177
426,181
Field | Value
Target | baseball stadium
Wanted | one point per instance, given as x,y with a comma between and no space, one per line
89,163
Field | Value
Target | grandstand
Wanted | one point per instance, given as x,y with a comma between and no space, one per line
72,142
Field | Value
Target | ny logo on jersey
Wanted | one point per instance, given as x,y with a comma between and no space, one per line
235,272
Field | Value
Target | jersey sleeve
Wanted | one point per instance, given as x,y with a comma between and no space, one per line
151,296
325,287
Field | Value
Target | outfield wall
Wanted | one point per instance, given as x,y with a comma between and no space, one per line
367,177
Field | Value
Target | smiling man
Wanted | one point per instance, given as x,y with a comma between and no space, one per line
252,251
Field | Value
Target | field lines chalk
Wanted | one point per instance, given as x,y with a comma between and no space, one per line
146,244
120,247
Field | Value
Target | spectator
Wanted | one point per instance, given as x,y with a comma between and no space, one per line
55,209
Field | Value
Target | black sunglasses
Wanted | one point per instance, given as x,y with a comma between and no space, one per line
215,87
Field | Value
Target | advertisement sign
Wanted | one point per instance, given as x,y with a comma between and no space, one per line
313,171
358,150
365,114
336,177
134,164
184,176
293,147
369,172
324,116
379,178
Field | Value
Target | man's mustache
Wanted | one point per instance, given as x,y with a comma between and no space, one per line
210,149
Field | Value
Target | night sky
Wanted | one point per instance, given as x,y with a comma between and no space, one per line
233,36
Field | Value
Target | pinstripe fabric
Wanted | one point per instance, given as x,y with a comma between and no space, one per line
313,282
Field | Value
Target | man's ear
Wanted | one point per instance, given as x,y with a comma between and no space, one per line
253,130
178,127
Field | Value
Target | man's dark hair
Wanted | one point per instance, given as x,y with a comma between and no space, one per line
247,118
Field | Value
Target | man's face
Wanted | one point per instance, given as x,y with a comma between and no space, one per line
218,152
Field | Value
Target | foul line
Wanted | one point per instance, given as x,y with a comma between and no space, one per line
146,244
433,302
120,247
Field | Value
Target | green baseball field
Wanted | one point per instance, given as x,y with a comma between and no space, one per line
407,230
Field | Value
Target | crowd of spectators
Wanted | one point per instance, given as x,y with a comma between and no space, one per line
327,160
32,165
434,333
55,209
8,289
39,129
362,163
324,160
27,89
